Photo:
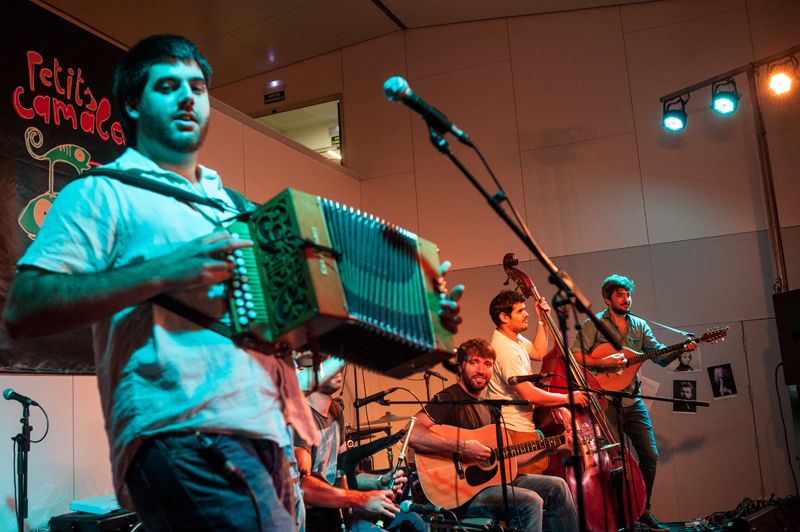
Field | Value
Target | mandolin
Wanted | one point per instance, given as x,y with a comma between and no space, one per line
618,379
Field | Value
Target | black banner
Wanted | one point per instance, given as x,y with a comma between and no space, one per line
56,121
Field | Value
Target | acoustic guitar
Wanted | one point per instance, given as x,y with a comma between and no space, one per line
617,379
448,482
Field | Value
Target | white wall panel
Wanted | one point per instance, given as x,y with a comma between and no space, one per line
446,199
646,15
704,180
270,166
713,280
713,452
223,150
437,50
773,25
376,132
393,198
782,122
585,196
570,77
92,455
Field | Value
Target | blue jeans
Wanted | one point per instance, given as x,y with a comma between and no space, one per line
403,520
536,502
177,484
639,429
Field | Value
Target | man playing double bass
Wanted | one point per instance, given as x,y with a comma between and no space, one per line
514,354
634,333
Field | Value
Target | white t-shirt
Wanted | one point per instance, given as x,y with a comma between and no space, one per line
512,359
157,371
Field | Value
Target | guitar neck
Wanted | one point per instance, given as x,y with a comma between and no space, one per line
637,359
534,445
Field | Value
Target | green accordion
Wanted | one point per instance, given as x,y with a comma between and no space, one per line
325,276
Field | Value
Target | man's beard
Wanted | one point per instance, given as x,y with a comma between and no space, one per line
619,311
472,388
327,389
163,133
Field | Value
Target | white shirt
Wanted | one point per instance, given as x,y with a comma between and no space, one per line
158,372
512,359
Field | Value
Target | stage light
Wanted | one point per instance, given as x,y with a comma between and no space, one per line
781,75
674,118
724,96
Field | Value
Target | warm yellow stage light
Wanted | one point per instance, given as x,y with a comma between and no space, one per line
780,82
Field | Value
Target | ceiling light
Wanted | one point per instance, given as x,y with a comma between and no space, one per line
724,96
674,118
781,75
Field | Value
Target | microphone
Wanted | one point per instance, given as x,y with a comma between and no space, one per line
530,378
358,403
11,395
431,373
397,90
408,506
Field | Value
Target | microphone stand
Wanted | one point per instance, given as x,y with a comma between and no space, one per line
561,302
494,406
23,441
427,378
560,279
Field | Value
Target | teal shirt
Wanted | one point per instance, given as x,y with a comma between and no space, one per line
639,337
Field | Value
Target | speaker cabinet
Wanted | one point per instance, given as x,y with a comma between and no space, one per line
787,319
781,517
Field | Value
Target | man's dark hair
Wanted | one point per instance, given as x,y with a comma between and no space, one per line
130,75
475,346
504,303
614,282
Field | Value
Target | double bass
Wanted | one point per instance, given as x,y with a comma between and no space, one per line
613,487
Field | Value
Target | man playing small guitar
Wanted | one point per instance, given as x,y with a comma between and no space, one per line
634,334
530,494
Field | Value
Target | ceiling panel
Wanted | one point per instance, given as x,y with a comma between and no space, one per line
315,29
420,13
243,38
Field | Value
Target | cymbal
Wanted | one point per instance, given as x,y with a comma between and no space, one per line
391,418
367,431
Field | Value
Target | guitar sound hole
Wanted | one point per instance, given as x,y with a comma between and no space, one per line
476,475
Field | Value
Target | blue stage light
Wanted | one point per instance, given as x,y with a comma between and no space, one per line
724,96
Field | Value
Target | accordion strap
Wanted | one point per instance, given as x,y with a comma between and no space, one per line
139,179
195,316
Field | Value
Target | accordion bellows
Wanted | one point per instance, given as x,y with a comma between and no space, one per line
326,276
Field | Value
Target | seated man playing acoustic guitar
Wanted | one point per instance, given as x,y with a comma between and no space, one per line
536,502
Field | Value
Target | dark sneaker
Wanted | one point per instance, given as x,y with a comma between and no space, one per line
649,522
